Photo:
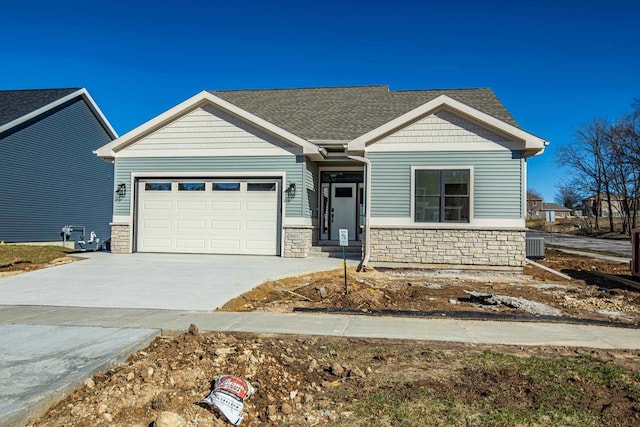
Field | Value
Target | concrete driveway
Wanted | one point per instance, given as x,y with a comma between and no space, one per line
157,281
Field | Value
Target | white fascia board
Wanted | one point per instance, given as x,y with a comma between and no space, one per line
533,144
110,150
79,93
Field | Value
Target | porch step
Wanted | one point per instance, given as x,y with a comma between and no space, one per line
335,251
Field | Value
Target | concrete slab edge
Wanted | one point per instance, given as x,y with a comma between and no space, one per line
39,408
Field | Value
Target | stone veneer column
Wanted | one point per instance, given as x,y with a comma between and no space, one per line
120,238
297,240
481,247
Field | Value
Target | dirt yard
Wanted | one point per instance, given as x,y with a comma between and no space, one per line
438,293
308,381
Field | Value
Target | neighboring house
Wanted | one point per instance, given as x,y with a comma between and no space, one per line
426,176
599,205
534,206
49,176
553,211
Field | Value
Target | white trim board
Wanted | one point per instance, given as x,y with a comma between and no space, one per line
484,223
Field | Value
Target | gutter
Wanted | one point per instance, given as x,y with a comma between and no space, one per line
367,211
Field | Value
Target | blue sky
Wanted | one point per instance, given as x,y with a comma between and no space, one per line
554,64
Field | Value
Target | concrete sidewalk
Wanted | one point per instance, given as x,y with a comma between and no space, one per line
470,331
41,364
46,352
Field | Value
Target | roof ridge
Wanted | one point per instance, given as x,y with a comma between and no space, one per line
442,89
301,88
40,90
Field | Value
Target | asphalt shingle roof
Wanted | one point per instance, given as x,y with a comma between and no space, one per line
345,113
17,103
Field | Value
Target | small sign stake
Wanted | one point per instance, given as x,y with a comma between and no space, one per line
344,242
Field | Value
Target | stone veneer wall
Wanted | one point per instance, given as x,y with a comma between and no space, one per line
297,240
449,246
120,239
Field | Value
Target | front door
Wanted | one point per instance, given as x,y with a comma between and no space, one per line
343,209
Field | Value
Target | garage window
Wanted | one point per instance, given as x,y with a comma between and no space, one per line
157,186
261,186
191,186
225,186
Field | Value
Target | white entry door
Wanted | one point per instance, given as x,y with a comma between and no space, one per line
343,210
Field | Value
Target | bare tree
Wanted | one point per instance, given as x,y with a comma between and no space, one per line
567,195
586,158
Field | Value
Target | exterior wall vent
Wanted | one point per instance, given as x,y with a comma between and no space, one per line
535,247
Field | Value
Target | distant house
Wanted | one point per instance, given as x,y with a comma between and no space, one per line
552,211
598,205
534,206
425,176
49,176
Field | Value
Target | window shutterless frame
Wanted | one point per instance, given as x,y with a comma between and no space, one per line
442,195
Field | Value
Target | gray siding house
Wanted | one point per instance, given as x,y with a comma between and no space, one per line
435,177
49,176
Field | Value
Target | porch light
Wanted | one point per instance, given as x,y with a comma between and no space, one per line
121,191
291,190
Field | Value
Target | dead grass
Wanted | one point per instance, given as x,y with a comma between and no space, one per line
15,254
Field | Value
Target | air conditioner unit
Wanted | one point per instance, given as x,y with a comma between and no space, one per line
535,247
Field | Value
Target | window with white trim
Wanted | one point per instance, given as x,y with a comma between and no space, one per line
442,195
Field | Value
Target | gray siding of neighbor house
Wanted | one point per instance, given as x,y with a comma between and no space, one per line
497,181
293,166
311,180
49,176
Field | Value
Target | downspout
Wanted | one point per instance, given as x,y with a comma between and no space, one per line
367,211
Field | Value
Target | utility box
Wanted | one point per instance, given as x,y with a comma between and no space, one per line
535,247
635,252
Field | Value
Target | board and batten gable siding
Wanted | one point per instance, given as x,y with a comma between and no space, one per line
444,130
210,167
206,131
497,181
49,176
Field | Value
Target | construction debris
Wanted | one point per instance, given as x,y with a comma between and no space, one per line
517,303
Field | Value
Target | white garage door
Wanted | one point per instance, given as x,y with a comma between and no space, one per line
208,216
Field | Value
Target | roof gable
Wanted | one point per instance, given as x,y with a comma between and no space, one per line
17,103
531,144
200,100
20,106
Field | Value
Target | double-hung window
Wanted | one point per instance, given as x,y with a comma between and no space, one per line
442,195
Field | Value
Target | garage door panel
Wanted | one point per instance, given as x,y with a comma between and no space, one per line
190,243
225,222
183,224
191,206
265,206
224,244
160,224
228,225
235,206
155,244
259,225
158,205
